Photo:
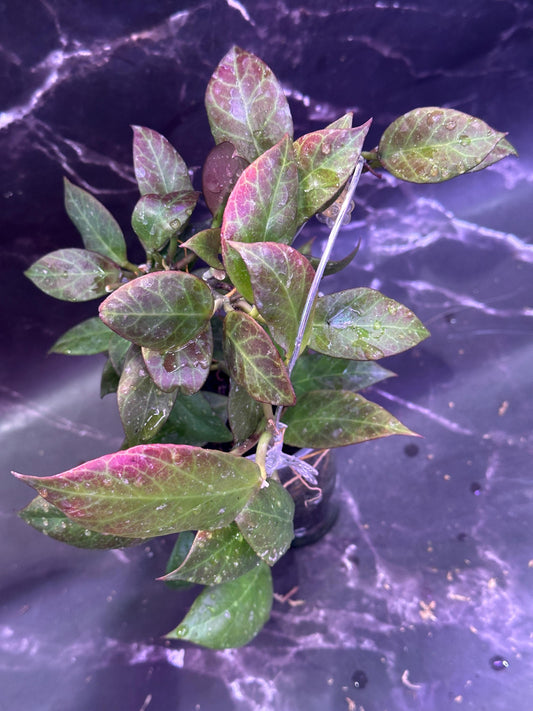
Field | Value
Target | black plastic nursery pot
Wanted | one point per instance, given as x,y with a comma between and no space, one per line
419,596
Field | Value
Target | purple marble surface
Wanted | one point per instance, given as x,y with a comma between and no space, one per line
424,584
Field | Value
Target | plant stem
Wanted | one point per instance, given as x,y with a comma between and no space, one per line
261,452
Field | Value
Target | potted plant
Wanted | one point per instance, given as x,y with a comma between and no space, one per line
233,303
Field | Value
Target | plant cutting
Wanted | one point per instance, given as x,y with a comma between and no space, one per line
224,357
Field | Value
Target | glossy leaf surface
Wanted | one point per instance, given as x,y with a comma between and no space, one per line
266,522
314,371
221,169
157,218
51,521
185,369
161,310
158,166
152,490
229,614
193,420
118,350
86,338
281,278
325,160
244,413
216,557
98,228
246,104
206,245
362,324
335,418
254,362
431,144
142,406
74,274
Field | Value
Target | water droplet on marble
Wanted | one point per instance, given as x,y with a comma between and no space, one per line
359,679
499,663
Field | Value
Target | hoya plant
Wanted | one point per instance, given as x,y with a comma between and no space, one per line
219,347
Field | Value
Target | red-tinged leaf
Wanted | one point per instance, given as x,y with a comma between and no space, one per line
161,310
206,245
230,614
74,274
158,166
314,371
48,519
283,271
143,407
362,324
85,338
261,207
152,490
246,105
221,169
266,522
335,418
502,149
244,413
157,218
97,226
185,369
254,362
325,160
431,144
216,557
342,122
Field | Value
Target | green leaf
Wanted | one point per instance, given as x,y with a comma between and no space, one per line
206,245
334,266
230,614
179,553
246,104
266,522
110,379
283,271
502,149
431,144
362,324
254,361
221,169
314,371
193,420
98,228
157,218
51,521
158,166
161,310
325,160
74,274
261,207
118,350
86,338
152,490
244,413
185,369
335,418
216,557
143,408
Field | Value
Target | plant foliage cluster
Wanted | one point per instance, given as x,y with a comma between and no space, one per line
224,302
